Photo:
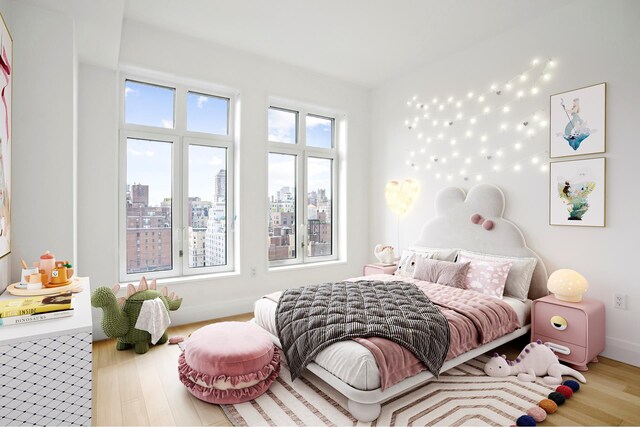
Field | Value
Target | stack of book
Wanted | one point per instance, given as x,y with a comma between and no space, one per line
18,311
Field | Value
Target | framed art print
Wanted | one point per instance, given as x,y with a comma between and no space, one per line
577,192
6,78
577,122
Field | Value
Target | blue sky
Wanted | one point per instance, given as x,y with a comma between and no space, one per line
149,162
282,173
282,128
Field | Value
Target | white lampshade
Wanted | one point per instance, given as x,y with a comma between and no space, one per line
567,285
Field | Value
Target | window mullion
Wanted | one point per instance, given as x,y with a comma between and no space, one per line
183,176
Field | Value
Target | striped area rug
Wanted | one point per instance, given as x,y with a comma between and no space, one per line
463,395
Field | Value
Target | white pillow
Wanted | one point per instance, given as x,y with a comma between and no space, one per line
407,263
520,274
437,253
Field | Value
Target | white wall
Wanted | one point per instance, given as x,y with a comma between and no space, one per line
593,42
256,79
43,135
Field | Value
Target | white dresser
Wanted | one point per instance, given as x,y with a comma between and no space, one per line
45,368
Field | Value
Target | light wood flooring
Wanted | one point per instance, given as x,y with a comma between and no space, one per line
144,389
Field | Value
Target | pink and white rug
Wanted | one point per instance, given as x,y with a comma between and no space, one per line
463,395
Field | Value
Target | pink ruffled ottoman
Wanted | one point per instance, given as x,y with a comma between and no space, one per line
229,362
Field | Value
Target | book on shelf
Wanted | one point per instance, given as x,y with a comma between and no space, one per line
35,305
30,318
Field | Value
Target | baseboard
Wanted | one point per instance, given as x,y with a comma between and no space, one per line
622,351
192,314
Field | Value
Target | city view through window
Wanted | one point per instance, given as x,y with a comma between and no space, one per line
149,211
282,212
199,217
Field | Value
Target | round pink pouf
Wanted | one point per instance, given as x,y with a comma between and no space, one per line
229,362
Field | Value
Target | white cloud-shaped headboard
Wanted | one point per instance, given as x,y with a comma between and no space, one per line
492,234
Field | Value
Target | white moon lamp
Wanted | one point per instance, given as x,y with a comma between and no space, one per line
567,285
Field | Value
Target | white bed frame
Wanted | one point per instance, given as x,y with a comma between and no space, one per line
365,405
451,228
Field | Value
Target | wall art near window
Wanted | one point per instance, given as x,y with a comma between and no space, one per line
6,77
577,193
577,122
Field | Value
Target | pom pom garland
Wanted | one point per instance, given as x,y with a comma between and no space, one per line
537,413
525,420
556,397
548,405
565,391
573,385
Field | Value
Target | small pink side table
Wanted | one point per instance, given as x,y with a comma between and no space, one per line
370,269
574,330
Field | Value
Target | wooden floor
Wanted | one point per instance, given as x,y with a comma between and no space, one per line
144,389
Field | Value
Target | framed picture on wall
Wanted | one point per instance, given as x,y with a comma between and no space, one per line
577,191
577,122
6,77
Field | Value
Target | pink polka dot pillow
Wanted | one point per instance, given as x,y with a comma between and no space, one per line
486,277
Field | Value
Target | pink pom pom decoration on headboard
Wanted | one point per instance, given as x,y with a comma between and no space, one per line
486,224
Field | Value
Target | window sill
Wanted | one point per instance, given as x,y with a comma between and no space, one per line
170,281
308,265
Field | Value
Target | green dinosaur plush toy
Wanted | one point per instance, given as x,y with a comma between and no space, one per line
121,314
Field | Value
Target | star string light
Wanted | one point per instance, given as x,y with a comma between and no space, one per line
456,119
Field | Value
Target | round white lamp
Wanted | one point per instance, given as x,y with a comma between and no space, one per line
567,285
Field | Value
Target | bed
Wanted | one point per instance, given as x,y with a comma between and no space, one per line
351,368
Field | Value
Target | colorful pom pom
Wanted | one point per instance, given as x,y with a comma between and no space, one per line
525,420
548,405
565,391
537,413
557,397
573,385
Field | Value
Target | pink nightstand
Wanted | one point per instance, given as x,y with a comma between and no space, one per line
370,269
574,330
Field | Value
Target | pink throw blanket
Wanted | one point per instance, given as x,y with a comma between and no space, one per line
474,319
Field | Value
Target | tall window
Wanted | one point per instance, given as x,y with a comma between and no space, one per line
301,186
176,209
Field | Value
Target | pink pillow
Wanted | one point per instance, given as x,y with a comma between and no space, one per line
441,272
486,277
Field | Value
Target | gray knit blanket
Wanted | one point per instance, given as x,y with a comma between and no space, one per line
311,318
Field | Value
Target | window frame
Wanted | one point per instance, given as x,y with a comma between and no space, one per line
181,139
302,152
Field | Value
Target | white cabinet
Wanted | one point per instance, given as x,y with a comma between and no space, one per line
45,368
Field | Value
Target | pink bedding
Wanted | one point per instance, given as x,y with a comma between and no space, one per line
474,319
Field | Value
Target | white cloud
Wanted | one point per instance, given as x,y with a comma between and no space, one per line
202,100
137,153
313,121
128,90
215,161
281,126
167,123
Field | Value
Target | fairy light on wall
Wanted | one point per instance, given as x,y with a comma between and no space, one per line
452,119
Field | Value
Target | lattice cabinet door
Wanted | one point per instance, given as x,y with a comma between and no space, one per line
47,381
